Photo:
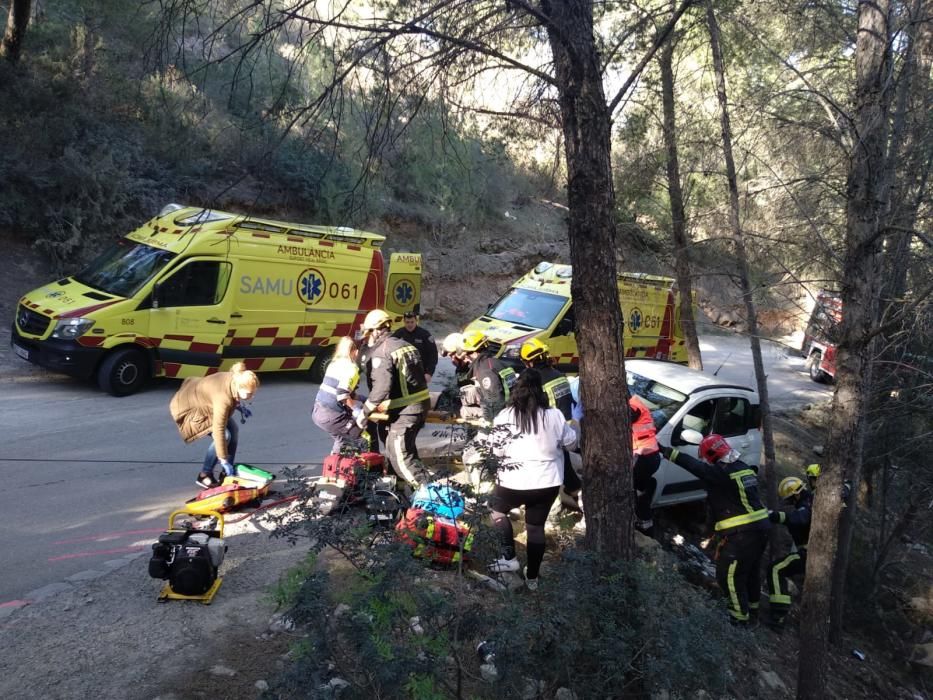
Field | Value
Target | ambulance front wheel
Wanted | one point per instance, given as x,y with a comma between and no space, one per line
123,372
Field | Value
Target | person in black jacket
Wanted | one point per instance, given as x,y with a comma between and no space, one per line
797,519
423,341
492,379
399,390
741,521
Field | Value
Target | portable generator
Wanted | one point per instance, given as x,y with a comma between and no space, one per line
188,556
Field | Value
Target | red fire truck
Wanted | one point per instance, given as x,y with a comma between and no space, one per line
821,336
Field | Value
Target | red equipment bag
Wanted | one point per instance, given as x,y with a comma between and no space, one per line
432,537
347,469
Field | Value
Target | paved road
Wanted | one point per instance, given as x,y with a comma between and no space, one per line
89,478
789,383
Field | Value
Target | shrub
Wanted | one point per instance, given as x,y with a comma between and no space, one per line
388,625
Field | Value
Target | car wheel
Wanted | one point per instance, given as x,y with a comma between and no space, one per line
123,372
816,374
319,368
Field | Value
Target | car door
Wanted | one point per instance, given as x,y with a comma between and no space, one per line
189,317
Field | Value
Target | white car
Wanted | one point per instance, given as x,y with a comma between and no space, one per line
682,398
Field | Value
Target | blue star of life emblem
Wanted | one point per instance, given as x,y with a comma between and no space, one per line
404,293
634,320
311,286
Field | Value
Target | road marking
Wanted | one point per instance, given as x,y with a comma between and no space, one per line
111,535
94,553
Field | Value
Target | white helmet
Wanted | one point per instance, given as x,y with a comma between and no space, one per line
375,319
453,344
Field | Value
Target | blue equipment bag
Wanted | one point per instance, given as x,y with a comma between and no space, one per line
440,499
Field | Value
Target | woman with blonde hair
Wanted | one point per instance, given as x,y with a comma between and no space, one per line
336,404
205,405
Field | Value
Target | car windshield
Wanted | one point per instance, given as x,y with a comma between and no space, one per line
123,268
661,400
528,308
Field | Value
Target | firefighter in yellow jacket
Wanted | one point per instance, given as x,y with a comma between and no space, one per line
398,389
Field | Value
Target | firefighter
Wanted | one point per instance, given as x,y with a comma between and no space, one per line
741,521
423,341
398,389
493,379
813,474
646,459
452,348
535,354
797,519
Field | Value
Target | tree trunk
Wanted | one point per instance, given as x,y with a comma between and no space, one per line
16,23
678,215
607,450
828,547
741,260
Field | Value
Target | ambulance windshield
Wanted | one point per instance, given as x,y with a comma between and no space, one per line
527,307
124,268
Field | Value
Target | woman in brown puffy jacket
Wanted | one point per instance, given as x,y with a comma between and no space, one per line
205,405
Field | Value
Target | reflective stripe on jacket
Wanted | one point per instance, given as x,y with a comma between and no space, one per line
397,376
732,490
339,383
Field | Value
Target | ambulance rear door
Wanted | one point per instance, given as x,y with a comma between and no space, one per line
189,315
403,286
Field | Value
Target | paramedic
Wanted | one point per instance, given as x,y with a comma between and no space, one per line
205,405
399,390
646,459
336,405
797,519
531,470
423,341
742,523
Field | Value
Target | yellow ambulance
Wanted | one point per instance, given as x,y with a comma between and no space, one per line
539,305
195,290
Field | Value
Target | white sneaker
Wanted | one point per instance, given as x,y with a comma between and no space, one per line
502,564
530,583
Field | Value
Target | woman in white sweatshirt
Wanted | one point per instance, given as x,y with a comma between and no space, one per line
531,470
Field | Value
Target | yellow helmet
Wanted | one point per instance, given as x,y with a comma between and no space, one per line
475,341
813,471
534,349
789,486
377,318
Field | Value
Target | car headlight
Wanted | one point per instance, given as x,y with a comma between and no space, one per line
512,351
71,328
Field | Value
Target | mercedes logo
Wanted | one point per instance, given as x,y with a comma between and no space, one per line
23,318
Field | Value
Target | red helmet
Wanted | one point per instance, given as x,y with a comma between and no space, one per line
713,448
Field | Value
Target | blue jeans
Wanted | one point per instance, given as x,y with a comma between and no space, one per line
231,433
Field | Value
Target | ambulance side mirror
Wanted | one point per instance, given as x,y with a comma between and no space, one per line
564,327
156,289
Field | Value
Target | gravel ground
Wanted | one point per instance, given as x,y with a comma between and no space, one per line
108,637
